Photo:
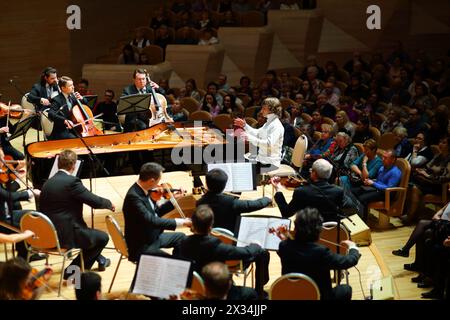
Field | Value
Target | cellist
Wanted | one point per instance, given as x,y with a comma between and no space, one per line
61,110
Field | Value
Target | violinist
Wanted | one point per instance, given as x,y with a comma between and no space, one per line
45,90
320,194
143,223
138,121
227,208
60,110
5,128
9,201
62,200
303,254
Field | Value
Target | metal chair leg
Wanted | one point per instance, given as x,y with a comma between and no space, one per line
115,273
62,275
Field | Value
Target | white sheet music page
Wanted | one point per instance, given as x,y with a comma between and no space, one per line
272,241
55,168
256,230
252,230
161,277
240,175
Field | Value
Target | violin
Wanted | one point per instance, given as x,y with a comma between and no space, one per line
162,192
14,111
38,280
82,117
9,168
287,182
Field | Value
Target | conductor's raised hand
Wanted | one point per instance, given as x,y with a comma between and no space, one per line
238,122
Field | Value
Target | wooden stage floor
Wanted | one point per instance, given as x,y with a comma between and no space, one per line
375,263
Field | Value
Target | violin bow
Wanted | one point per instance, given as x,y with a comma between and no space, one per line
174,201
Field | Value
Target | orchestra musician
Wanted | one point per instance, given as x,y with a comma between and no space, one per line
138,121
269,138
143,223
60,110
45,90
320,194
304,254
9,201
62,200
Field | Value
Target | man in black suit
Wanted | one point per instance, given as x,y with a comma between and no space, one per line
140,120
204,248
9,202
62,200
143,225
227,208
61,110
45,90
304,255
327,198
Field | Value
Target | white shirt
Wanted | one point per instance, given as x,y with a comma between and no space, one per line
269,140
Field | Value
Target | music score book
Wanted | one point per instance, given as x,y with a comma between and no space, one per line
55,168
241,175
255,229
161,277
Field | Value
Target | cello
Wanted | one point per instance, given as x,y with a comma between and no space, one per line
83,118
158,106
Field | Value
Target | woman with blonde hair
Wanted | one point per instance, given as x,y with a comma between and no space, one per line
342,122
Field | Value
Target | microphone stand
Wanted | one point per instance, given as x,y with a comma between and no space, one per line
92,158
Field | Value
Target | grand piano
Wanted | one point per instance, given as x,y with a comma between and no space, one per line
177,146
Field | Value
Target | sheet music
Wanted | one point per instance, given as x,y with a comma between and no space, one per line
240,175
55,168
161,277
256,230
272,241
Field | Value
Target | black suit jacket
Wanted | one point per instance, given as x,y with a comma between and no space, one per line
205,249
8,197
62,199
59,112
309,195
37,92
227,208
315,261
142,224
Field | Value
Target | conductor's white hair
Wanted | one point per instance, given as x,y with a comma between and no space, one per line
322,168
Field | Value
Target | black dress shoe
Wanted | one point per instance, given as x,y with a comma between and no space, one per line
410,267
105,263
433,294
38,256
400,253
417,279
425,283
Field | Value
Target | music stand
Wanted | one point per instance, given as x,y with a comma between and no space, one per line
91,101
134,103
22,128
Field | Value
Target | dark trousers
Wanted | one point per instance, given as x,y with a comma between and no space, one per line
15,222
342,292
165,240
8,149
261,271
92,242
365,197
